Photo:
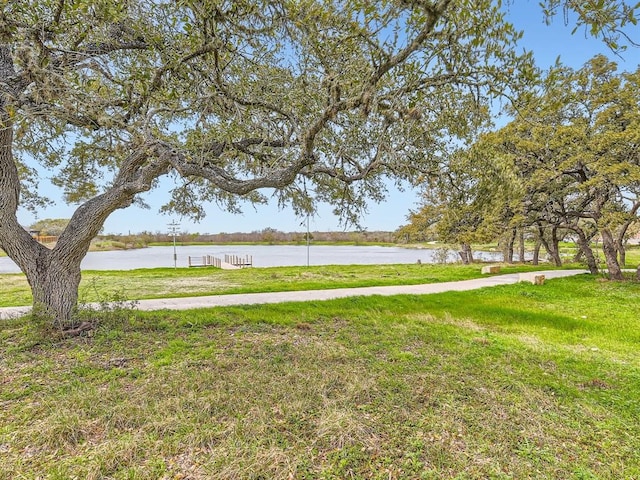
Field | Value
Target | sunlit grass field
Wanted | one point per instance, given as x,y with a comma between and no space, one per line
509,382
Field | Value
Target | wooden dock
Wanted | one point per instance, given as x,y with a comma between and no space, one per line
205,261
229,262
246,261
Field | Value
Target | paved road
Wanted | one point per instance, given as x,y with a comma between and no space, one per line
187,303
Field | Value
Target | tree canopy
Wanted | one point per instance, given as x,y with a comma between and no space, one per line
576,150
50,226
567,164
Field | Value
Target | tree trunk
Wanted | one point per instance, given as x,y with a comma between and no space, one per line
610,255
551,245
555,247
583,244
622,231
536,252
467,249
53,279
620,249
577,258
54,275
464,255
622,254
55,289
508,253
521,245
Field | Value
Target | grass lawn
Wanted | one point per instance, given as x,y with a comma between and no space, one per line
170,282
511,382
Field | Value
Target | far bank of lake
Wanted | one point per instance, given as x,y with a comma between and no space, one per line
262,255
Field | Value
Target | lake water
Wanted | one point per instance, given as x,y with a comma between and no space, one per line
263,256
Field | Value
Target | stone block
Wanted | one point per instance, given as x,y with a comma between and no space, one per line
535,278
491,269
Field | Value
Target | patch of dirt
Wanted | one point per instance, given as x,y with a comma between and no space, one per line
595,383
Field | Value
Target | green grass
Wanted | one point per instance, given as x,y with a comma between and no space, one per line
510,382
169,282
633,257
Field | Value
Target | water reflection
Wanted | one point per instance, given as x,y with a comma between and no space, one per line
263,256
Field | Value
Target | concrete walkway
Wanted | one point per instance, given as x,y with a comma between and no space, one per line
187,303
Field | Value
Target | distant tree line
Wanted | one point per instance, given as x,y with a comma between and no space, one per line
267,235
55,226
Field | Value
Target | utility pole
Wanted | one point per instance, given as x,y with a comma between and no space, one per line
173,231
308,240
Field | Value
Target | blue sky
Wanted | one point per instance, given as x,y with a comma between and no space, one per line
546,42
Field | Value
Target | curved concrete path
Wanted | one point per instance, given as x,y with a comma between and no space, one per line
187,303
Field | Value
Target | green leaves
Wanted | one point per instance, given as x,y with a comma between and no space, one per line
601,19
574,149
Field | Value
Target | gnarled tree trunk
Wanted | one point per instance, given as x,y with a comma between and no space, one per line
622,253
611,254
54,275
536,252
551,245
583,244
54,283
466,254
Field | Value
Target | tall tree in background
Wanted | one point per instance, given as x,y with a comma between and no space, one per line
576,149
567,165
465,201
